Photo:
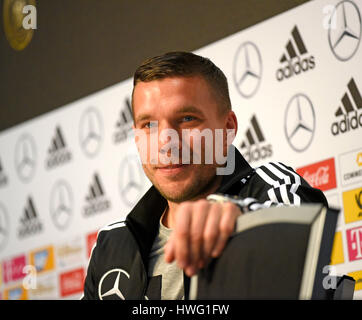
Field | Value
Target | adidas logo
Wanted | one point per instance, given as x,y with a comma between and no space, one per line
254,144
3,177
351,112
95,190
57,153
96,199
295,48
124,123
29,221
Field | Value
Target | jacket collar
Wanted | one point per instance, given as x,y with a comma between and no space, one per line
241,170
143,220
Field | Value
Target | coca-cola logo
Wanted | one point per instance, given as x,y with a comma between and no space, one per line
318,178
320,175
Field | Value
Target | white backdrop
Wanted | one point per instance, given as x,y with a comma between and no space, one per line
295,84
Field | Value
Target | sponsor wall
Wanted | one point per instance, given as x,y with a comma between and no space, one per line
295,84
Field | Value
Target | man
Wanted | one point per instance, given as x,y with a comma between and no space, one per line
174,231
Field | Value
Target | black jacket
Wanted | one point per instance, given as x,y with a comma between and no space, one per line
118,263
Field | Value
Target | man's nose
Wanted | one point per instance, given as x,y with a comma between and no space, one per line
168,139
168,143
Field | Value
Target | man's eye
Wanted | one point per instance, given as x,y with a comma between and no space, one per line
150,124
188,118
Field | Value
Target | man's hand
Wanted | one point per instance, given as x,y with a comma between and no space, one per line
200,232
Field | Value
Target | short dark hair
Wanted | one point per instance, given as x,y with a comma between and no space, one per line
185,64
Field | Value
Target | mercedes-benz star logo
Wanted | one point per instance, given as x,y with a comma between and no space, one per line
299,122
61,204
91,132
247,69
109,284
345,35
4,226
131,180
25,157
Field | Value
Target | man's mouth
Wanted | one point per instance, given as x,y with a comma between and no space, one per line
172,169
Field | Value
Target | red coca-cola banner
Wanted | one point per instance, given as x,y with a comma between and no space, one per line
321,175
71,282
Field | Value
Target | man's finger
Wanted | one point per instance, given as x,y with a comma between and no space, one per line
199,216
226,227
211,229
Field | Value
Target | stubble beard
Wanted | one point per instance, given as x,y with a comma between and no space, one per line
201,184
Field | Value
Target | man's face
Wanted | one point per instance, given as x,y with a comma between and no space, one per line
180,104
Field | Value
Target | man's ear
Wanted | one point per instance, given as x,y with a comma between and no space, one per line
231,128
232,122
